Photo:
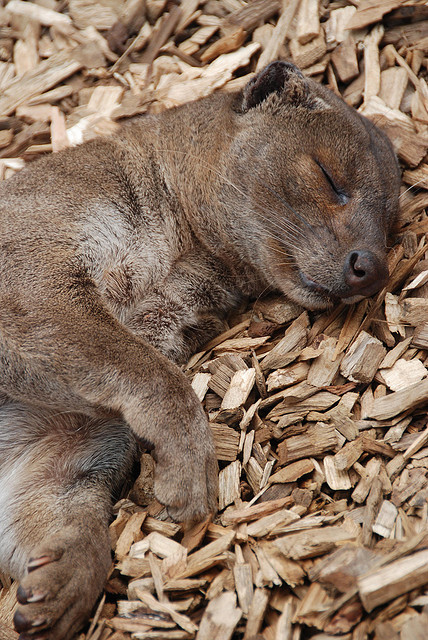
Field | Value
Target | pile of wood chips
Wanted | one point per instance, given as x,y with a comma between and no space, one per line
319,419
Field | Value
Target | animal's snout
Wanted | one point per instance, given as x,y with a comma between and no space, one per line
364,273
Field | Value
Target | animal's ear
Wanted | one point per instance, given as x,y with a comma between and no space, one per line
282,78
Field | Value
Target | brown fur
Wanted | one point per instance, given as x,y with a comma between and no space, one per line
124,255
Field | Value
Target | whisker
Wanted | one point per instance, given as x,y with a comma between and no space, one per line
412,186
290,208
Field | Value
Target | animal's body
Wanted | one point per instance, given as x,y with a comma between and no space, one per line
124,255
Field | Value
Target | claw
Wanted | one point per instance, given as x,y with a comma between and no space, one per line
23,624
25,597
35,563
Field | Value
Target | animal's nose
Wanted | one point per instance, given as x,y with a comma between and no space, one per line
364,273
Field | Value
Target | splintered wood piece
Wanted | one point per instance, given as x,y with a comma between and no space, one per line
131,533
200,384
268,573
45,16
392,356
403,374
368,474
256,613
207,556
158,544
240,344
344,59
317,439
308,24
409,146
305,55
312,543
324,368
348,455
282,378
302,400
220,618
230,42
363,358
371,62
414,311
420,279
279,33
420,337
239,389
385,584
408,486
337,479
341,567
223,369
393,83
385,520
336,26
400,401
226,441
294,338
165,607
271,524
289,570
251,15
254,473
246,514
370,11
340,416
315,602
289,396
229,484
243,584
47,74
292,472
420,442
371,510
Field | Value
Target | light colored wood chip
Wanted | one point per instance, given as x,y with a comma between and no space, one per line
324,368
239,389
385,584
403,374
229,479
363,358
279,33
400,401
337,479
271,524
281,378
292,471
220,618
305,55
313,543
385,520
316,440
256,613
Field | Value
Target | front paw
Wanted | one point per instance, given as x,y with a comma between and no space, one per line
64,577
186,476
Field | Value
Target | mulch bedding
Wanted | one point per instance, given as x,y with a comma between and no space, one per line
318,419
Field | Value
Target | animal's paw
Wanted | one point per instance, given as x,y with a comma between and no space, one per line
65,576
186,476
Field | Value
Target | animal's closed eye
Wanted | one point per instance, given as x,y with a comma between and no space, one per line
342,197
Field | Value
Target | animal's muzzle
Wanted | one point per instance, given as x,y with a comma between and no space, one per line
364,273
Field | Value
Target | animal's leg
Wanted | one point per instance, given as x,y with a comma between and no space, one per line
57,476
77,357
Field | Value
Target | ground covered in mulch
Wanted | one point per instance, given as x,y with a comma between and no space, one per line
319,419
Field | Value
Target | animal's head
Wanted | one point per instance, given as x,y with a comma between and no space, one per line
318,185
